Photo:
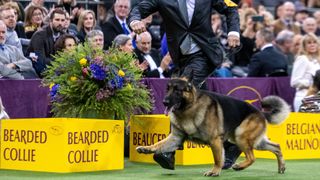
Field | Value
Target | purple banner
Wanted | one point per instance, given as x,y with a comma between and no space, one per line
27,99
24,98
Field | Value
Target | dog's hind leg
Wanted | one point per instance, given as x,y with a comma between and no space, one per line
218,155
249,131
266,145
247,149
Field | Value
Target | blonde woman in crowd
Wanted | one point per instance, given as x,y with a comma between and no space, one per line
86,23
306,64
34,20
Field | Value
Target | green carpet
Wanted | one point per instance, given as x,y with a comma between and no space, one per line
261,169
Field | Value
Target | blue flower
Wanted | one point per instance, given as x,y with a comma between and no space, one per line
98,72
117,82
54,90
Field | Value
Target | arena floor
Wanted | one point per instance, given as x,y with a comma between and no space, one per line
261,169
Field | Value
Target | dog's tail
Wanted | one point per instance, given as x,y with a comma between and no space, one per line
275,109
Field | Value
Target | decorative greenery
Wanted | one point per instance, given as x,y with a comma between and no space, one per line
87,82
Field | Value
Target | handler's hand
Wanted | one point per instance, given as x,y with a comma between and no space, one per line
138,26
233,41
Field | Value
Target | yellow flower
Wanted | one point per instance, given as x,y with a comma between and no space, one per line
83,62
121,73
51,85
73,78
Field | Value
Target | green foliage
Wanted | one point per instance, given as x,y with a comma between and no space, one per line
87,82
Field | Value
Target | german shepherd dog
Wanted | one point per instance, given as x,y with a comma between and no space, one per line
209,118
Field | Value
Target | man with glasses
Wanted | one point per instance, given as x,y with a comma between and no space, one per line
8,16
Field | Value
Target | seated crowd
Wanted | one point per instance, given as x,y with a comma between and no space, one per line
279,38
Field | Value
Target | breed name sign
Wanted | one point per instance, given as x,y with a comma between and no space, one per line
62,144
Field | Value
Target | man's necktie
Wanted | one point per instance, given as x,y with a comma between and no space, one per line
2,46
186,43
184,10
125,30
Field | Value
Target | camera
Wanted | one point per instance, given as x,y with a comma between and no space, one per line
257,18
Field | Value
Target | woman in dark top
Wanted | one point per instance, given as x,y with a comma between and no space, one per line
34,20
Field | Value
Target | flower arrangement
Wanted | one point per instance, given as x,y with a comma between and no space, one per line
87,82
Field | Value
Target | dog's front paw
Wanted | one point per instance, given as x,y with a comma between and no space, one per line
144,150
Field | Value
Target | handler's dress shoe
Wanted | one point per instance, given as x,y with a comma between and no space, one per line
165,160
232,152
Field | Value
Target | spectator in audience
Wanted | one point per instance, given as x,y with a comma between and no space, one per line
76,11
310,26
87,22
95,39
316,15
8,16
36,3
269,61
278,10
247,38
219,28
65,42
268,3
296,41
284,44
268,19
153,26
69,27
42,42
313,4
117,24
157,67
304,67
17,6
19,12
34,20
67,5
286,20
300,16
13,65
123,42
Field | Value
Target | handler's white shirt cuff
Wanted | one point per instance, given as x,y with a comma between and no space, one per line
160,70
234,33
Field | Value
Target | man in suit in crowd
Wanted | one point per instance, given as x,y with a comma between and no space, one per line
286,21
145,54
284,44
268,60
117,24
191,41
42,41
13,65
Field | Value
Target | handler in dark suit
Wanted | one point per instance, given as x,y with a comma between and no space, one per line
269,61
191,41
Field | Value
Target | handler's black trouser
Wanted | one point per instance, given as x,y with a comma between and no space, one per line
199,64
